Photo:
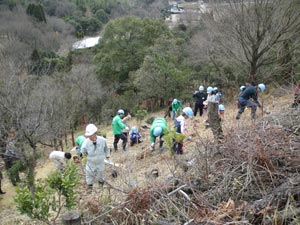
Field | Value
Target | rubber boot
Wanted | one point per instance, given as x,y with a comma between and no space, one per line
101,183
253,115
238,115
161,147
89,188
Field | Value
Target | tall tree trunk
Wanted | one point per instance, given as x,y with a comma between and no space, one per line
214,120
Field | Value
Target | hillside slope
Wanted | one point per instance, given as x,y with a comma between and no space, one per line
203,168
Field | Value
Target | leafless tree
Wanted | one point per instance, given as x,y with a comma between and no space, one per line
252,34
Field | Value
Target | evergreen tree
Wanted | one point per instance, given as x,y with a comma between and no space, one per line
36,11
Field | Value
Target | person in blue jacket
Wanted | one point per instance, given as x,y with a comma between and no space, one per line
249,98
135,136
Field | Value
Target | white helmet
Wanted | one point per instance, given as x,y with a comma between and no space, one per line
221,107
90,130
201,88
209,90
188,111
134,130
157,131
121,111
262,87
242,88
175,101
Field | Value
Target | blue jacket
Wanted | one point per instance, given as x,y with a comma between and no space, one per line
135,136
249,92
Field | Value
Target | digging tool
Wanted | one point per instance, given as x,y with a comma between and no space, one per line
110,162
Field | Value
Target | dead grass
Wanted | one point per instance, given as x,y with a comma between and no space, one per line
218,181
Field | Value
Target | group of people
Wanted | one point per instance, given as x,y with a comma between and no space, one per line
201,99
95,149
121,130
248,97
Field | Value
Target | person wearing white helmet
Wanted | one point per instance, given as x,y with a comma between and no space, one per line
135,136
158,129
242,88
176,106
181,126
218,95
79,141
221,110
94,148
118,127
199,97
211,97
249,98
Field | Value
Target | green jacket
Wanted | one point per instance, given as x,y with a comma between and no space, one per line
79,140
177,106
158,122
117,125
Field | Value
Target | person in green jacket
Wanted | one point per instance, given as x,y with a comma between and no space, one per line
79,140
158,129
176,106
118,127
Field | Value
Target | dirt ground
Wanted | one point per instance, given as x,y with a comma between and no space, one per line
136,164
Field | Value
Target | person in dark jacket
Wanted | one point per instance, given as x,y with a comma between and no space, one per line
199,97
249,98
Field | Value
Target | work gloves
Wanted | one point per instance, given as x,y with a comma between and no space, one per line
152,147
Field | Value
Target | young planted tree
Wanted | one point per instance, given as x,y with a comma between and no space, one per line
51,196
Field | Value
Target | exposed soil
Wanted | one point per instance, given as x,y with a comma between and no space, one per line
140,169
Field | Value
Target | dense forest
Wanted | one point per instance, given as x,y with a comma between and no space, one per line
48,89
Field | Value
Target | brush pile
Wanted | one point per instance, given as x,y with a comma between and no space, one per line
252,177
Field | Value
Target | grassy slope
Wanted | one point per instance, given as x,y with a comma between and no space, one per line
135,172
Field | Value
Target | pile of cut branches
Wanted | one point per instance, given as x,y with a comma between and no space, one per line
252,177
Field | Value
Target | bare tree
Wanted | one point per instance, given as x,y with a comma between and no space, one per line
252,34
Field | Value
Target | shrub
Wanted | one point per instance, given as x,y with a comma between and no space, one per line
50,195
